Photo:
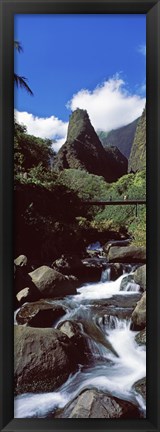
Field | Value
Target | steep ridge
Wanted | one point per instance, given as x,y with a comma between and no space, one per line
83,150
122,138
137,159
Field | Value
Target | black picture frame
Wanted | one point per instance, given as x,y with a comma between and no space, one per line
152,10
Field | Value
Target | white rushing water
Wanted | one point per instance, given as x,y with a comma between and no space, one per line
104,290
114,374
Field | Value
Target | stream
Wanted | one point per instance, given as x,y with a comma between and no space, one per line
103,311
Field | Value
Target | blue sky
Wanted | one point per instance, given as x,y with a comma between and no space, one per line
96,62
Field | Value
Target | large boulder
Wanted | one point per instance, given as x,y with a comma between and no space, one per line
25,290
23,280
39,314
79,341
140,276
43,359
27,294
68,265
127,254
95,404
112,243
141,337
52,283
139,314
85,270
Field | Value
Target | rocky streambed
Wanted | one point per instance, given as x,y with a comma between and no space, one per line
81,354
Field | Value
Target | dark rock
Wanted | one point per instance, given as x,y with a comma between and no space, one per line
121,243
83,150
53,284
39,314
127,254
140,276
79,341
27,294
23,280
141,337
43,359
139,314
118,162
86,270
95,404
116,271
140,387
106,313
94,332
117,302
68,265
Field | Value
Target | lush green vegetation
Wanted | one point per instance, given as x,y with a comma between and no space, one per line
33,156
137,160
49,207
89,186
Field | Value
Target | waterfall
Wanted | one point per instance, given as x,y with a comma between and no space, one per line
132,286
106,275
113,322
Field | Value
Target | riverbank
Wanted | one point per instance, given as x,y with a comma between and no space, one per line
95,355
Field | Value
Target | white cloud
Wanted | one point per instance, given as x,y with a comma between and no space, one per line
110,105
142,50
49,127
58,144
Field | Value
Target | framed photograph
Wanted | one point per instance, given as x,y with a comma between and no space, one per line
80,107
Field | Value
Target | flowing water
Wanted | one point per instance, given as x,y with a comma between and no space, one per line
117,360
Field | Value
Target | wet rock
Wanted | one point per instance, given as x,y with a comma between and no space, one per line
51,283
95,404
86,270
127,254
139,314
117,301
141,337
116,271
68,265
125,281
79,341
39,314
140,277
110,311
95,333
27,294
140,387
112,243
43,359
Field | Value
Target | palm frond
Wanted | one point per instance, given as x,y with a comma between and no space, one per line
21,82
18,46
